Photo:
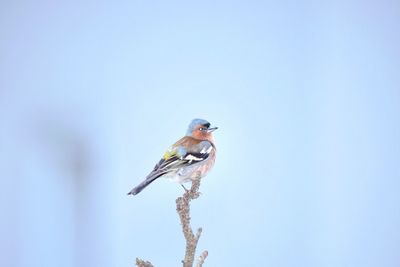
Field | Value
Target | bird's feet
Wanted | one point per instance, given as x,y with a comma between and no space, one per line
186,190
193,192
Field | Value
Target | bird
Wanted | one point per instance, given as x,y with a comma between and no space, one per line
188,159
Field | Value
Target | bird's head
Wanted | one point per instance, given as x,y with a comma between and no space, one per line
200,129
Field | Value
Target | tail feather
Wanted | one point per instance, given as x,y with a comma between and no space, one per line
139,188
143,184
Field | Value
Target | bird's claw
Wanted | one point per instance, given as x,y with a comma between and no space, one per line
186,190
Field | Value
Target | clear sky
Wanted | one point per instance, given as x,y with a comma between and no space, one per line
306,95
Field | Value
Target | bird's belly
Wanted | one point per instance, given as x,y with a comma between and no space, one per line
191,173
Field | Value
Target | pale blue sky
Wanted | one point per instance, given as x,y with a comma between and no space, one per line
306,96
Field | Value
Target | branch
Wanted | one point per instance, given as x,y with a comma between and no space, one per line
183,209
202,258
142,263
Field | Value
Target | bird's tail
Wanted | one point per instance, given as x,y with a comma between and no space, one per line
143,184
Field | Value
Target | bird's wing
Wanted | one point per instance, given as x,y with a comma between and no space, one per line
185,152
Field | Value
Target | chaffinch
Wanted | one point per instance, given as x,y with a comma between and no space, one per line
188,159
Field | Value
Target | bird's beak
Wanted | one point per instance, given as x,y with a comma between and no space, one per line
210,130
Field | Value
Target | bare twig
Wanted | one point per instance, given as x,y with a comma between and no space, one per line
183,209
142,263
202,258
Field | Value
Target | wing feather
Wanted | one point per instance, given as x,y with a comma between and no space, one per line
182,156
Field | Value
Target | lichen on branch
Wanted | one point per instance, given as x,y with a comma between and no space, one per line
183,209
142,263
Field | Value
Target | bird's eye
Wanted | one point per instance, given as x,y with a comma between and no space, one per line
201,129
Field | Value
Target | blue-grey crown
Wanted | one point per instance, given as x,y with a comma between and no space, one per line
196,122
